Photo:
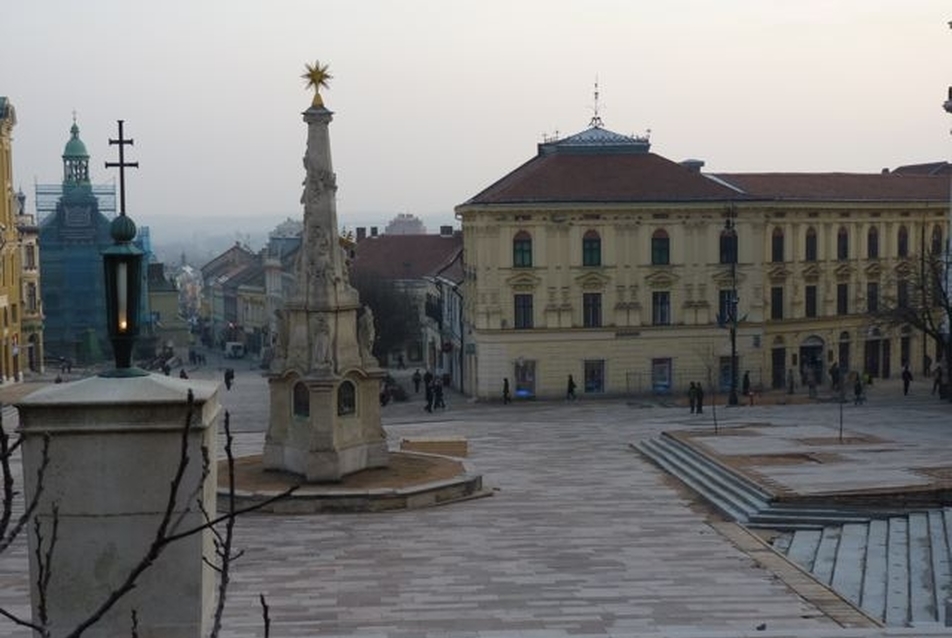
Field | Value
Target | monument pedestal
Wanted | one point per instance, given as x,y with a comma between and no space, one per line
324,427
115,445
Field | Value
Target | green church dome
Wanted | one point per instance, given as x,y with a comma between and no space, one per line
75,147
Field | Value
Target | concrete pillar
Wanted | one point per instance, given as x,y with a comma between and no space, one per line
114,448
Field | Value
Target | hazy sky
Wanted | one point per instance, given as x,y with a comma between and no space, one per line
434,100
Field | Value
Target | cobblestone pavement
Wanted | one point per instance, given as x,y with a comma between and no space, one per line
582,536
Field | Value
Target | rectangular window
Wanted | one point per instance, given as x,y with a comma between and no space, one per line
659,251
872,297
842,245
524,373
776,302
810,301
522,253
902,293
810,254
776,247
661,308
592,251
592,309
523,311
661,376
595,375
842,299
31,297
31,257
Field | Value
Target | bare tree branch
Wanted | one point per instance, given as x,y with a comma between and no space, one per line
44,562
264,615
9,494
224,546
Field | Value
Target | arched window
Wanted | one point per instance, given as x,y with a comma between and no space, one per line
842,244
522,250
902,247
776,245
728,246
936,240
591,249
346,398
811,252
301,400
660,248
872,244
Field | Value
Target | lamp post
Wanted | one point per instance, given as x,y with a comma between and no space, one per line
122,264
731,233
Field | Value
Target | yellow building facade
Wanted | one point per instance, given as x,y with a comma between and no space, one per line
10,266
601,260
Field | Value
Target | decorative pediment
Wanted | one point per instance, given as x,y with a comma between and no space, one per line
722,279
842,271
904,270
592,281
873,270
812,272
777,273
661,279
523,282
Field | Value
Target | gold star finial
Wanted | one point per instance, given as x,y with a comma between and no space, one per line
317,77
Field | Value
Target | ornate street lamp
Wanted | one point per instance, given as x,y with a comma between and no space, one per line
731,233
122,263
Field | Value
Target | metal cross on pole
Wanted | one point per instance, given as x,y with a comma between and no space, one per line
122,164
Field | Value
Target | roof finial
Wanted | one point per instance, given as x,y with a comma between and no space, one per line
596,119
74,116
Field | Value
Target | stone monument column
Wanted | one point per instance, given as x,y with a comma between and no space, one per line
324,382
114,448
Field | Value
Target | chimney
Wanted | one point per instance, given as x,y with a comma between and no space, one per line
693,165
373,231
361,233
446,231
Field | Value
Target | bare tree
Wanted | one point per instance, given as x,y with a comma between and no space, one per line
168,531
919,298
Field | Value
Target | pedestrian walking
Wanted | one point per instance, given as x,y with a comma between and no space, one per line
906,379
746,387
811,382
937,378
692,397
570,390
835,376
506,398
438,394
417,377
700,398
229,378
858,390
790,381
428,390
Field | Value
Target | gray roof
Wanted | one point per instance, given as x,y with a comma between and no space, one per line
596,140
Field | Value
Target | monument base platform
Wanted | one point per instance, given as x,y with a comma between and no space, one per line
411,480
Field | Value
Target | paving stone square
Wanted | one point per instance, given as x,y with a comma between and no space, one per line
582,536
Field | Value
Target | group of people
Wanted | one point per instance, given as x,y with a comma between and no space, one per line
432,387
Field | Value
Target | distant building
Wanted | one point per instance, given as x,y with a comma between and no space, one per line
167,329
405,224
412,264
31,317
11,309
71,240
220,280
